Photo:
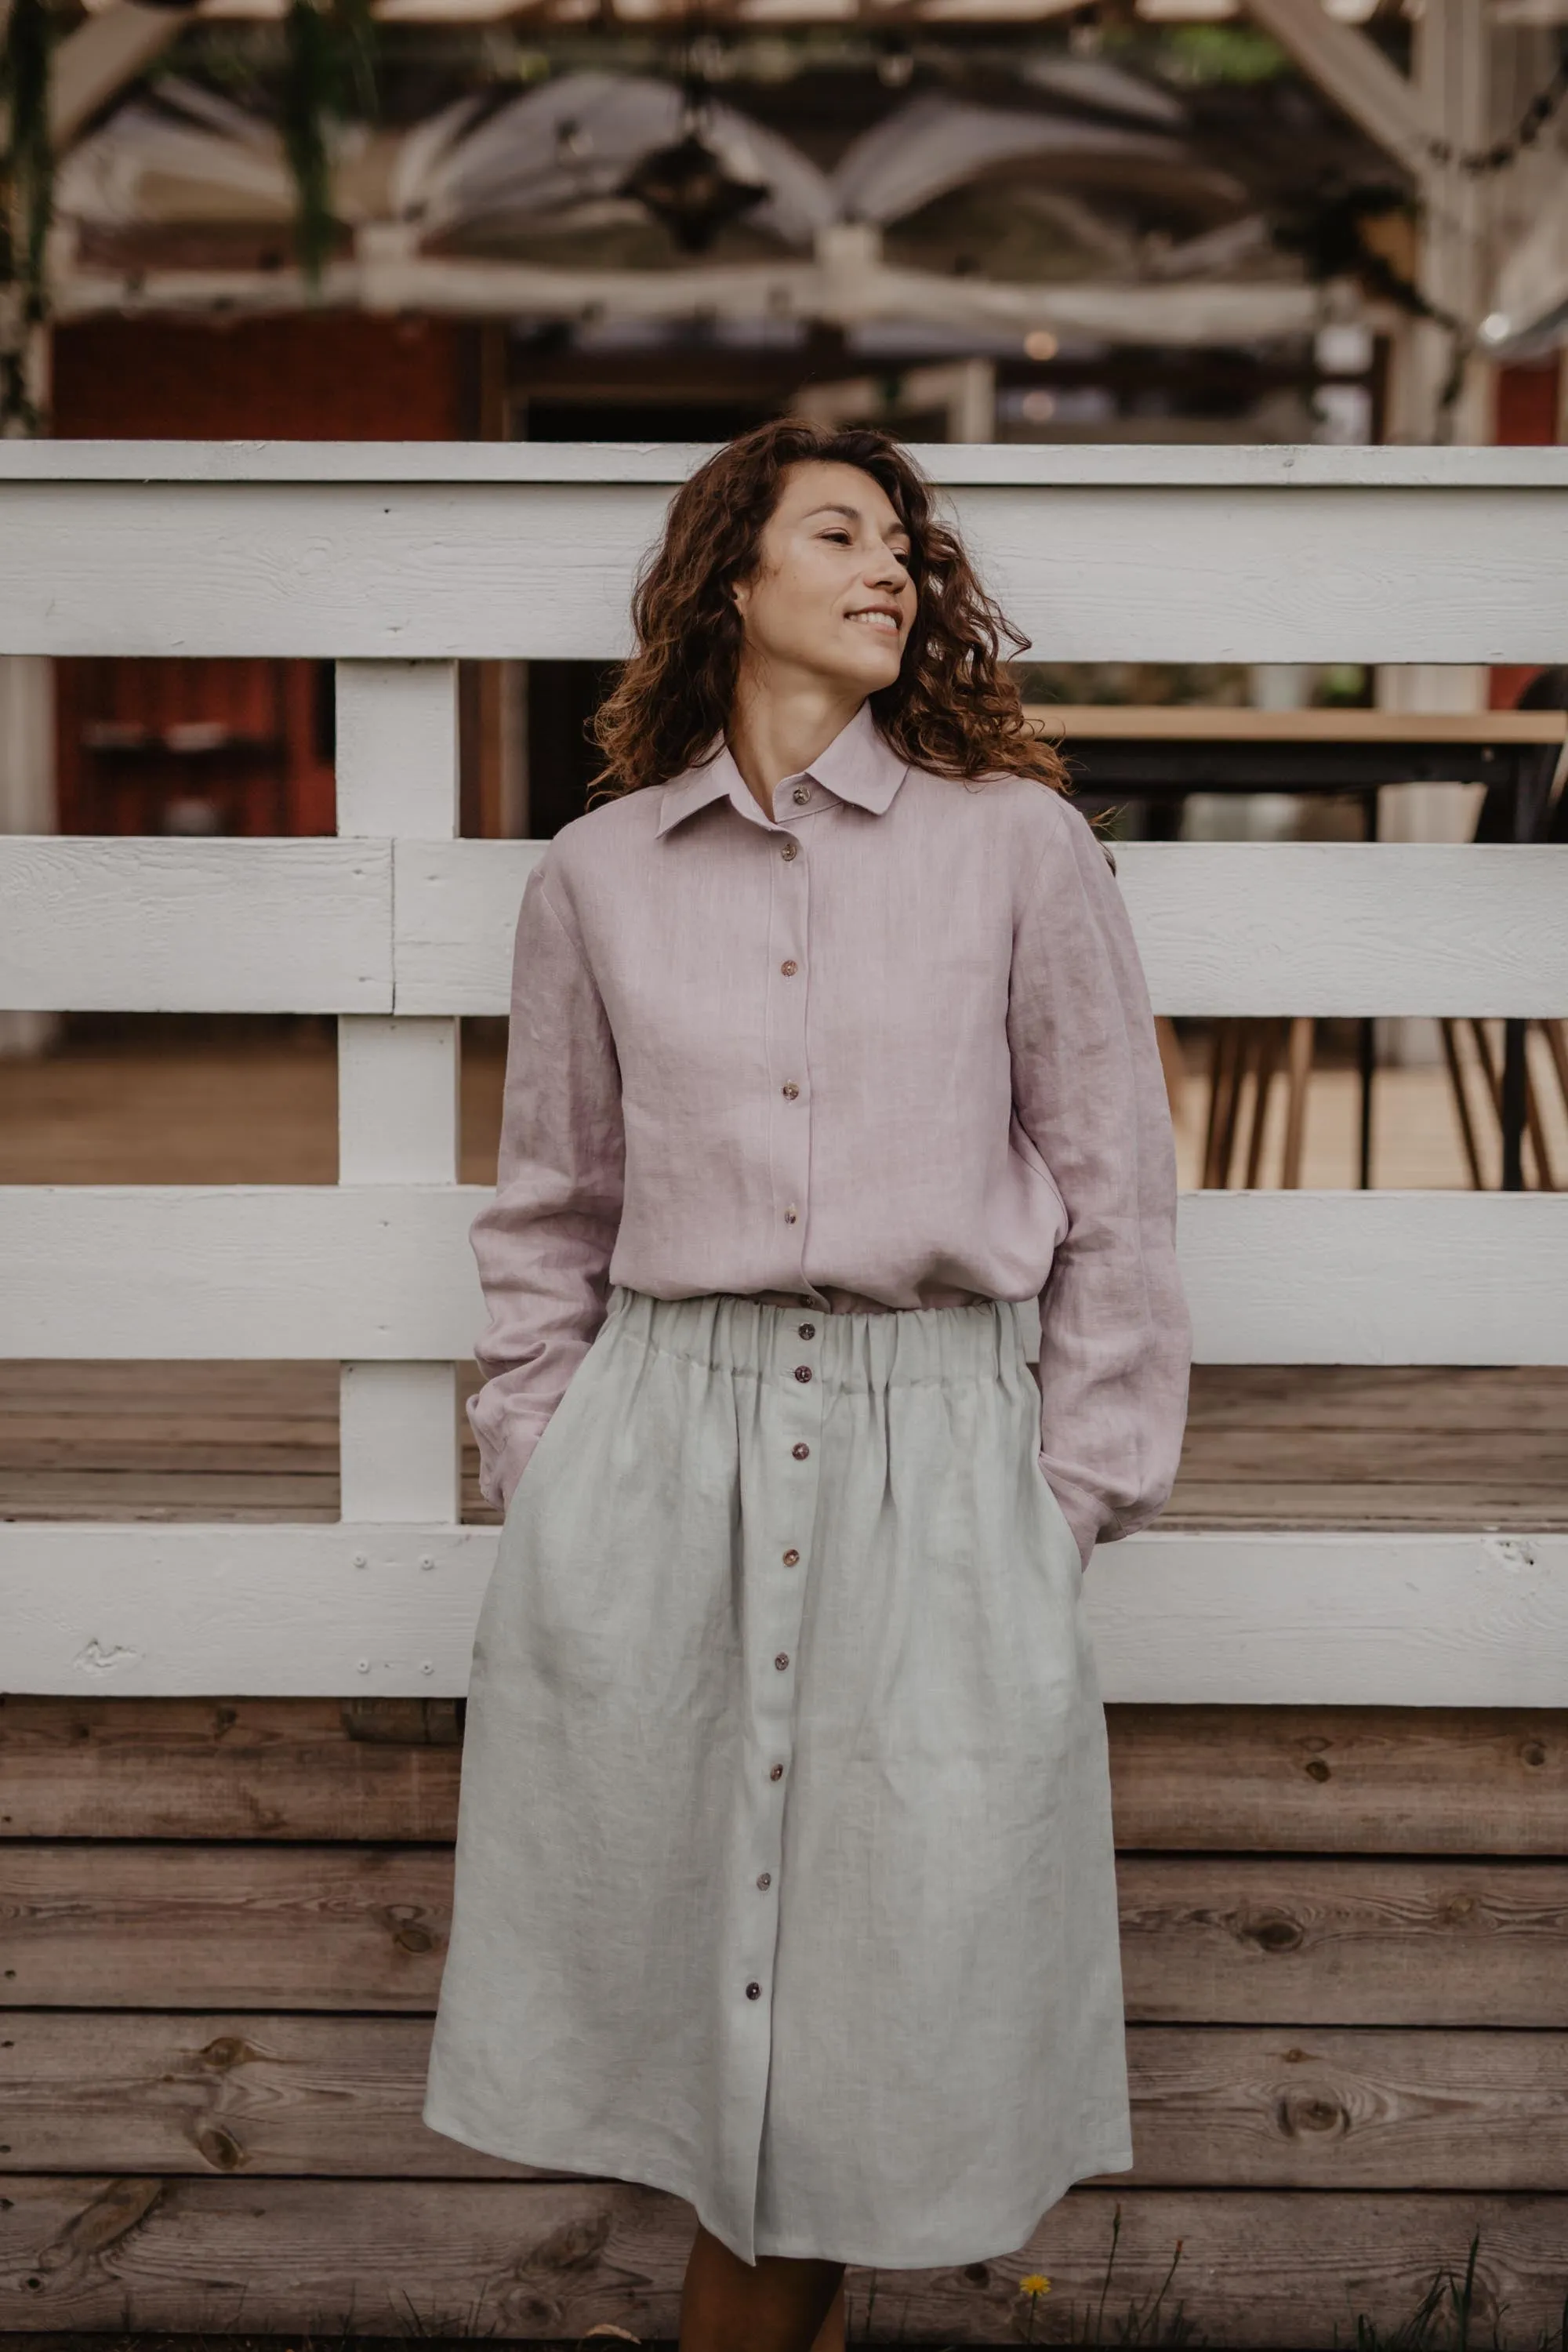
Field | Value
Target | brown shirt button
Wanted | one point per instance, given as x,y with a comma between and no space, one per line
782,1661
803,794
754,1991
800,1451
766,1878
791,1215
803,1371
791,849
792,1557
789,967
808,1330
776,1773
790,1088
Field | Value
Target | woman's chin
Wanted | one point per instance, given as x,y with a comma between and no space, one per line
868,668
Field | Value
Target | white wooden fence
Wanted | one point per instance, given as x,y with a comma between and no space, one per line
394,561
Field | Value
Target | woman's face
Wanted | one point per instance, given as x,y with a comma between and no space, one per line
832,596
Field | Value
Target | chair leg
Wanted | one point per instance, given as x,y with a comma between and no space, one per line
1230,1109
1536,1125
1556,1036
1490,1069
1223,1050
1269,1039
1461,1101
1298,1076
1173,1064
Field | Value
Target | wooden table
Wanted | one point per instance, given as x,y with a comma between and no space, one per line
1160,753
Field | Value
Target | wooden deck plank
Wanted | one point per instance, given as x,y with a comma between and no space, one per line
1339,1780
1267,1446
1322,1779
537,2259
229,2093
1231,1939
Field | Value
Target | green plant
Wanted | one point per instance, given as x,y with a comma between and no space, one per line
329,78
1145,2321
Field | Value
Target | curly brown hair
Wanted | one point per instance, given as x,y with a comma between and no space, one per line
953,710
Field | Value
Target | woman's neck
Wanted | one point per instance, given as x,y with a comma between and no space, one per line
777,728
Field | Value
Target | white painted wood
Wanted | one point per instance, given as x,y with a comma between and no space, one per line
1326,928
1321,1618
1244,569
398,1083
398,749
1225,466
456,919
398,1440
1388,1277
1332,927
26,804
1235,927
144,925
384,1271
1363,1619
398,1089
329,1272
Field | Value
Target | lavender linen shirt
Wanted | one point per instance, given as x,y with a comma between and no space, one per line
893,1044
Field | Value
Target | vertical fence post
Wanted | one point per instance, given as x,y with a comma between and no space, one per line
399,1119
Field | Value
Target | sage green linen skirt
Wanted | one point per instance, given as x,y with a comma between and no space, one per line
785,1874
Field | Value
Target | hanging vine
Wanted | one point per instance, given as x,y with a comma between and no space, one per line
26,189
329,78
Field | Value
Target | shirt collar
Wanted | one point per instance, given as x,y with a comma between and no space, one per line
858,765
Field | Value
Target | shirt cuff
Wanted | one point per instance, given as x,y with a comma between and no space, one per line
1081,1511
498,1479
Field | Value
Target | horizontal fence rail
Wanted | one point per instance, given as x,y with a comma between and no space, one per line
384,1271
1287,555
396,563
1219,1617
410,927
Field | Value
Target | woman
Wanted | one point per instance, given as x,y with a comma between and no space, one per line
784,1869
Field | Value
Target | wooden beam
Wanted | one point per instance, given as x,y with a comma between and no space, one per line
278,2095
1242,1939
1353,71
1316,1779
531,2260
103,56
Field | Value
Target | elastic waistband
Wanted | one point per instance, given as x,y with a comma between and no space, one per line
748,1335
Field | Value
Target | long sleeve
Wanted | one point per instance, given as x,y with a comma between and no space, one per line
1089,1093
543,1245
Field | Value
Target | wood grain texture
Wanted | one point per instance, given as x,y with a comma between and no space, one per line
231,2094
1432,1447
148,925
384,1271
1339,1780
1174,562
381,1609
1324,1940
1205,1940
536,2258
1223,927
1343,1779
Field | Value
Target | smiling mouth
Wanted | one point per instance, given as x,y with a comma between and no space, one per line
876,620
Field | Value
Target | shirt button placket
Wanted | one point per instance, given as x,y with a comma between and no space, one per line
792,1440
787,987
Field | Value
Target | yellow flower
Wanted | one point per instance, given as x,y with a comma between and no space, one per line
1034,2285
